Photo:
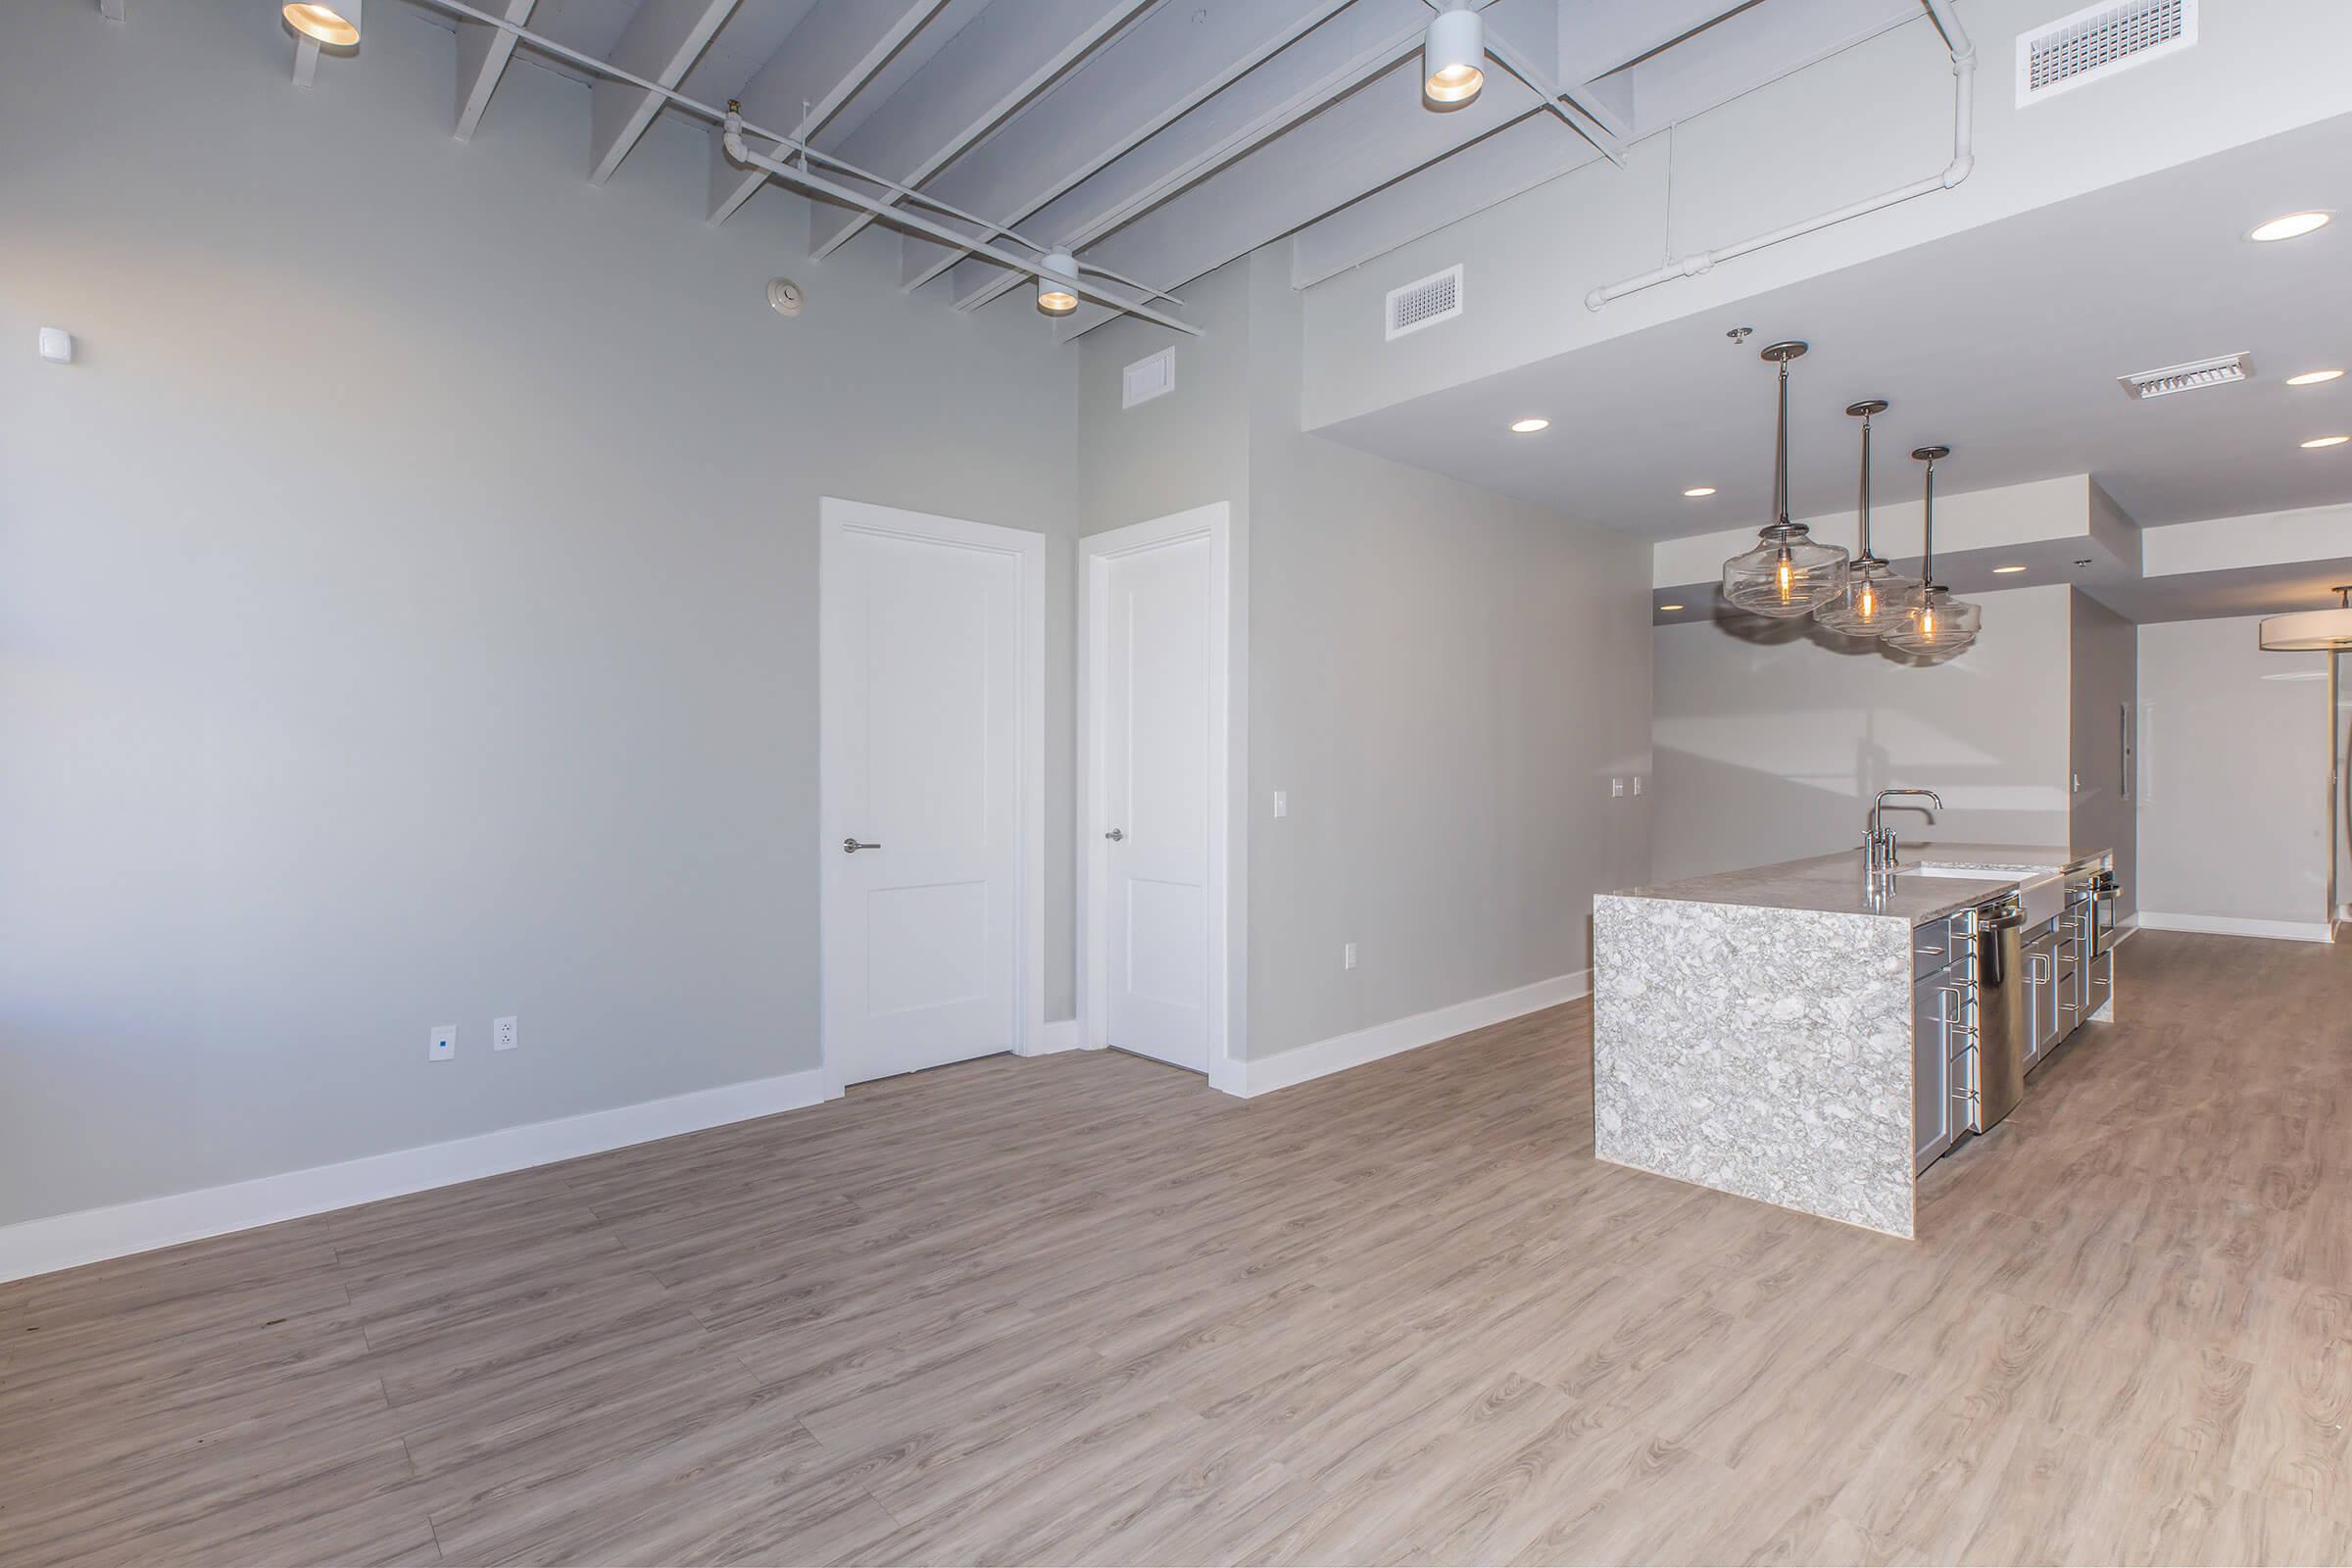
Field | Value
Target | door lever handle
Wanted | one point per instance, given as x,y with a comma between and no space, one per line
1116,835
851,846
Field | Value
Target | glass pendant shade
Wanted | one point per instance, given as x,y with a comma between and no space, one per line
1790,572
1871,604
1932,622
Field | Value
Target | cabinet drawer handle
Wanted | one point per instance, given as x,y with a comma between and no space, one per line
1935,953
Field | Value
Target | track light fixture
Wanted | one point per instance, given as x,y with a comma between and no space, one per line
1453,57
1057,283
335,26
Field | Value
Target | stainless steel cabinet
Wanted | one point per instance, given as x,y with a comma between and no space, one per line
1940,1002
2041,991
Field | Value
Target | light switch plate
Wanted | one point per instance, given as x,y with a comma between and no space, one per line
1282,803
1348,957
1636,783
444,1044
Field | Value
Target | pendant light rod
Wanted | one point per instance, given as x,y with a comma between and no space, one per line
1866,410
1780,354
1927,565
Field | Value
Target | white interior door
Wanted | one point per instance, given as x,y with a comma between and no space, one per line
1154,803
922,655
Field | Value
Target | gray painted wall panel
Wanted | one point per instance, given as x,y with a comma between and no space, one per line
409,600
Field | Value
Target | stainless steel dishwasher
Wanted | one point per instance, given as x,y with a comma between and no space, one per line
1996,1057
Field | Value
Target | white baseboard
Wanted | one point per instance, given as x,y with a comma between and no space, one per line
1264,1075
66,1241
1060,1033
2227,925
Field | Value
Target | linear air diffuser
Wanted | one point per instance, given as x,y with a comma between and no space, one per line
2097,42
2191,377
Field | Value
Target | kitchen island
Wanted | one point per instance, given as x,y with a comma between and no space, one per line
1810,1035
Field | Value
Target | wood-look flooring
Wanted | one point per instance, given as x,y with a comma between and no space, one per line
1082,1309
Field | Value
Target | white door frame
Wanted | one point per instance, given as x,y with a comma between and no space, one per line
837,517
1226,910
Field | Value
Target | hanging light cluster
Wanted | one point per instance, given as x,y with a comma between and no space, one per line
1790,574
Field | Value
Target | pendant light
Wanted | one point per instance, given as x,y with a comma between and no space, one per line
335,26
1788,573
1932,622
1056,283
1454,58
1871,601
2312,631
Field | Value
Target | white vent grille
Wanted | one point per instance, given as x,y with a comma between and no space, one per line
2098,42
1154,375
2189,378
1426,302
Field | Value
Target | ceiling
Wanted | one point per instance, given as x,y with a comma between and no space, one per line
1157,140
2003,342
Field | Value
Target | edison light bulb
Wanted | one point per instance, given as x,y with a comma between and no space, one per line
1870,604
1788,577
1927,626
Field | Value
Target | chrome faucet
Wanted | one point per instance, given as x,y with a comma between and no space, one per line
1881,848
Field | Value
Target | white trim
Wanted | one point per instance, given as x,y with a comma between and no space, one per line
1227,937
2230,925
67,1241
1059,1035
837,515
1343,1052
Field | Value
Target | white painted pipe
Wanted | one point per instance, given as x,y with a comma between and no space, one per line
1963,164
736,126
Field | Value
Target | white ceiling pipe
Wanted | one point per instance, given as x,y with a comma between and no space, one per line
801,176
738,150
1963,162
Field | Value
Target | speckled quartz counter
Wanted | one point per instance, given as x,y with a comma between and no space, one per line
1752,1031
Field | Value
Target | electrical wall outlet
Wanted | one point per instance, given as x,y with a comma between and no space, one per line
506,1033
1616,788
1348,957
444,1044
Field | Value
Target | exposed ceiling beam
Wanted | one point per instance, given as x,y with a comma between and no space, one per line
660,43
1580,117
1102,205
1163,69
482,55
1355,147
987,77
825,63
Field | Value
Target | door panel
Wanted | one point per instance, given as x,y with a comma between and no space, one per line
922,655
1155,793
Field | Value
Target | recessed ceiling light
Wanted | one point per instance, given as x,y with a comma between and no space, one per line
2313,377
1670,607
1699,492
2003,572
2326,441
1528,426
2292,226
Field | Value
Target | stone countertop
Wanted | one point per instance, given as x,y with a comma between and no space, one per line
1838,884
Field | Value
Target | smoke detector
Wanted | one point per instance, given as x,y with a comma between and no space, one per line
2194,376
784,296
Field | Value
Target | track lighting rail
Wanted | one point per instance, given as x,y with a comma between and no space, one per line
735,129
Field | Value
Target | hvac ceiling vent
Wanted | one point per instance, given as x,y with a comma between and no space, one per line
2191,377
2097,42
1426,302
1152,376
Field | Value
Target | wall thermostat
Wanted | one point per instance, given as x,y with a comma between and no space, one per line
784,296
57,345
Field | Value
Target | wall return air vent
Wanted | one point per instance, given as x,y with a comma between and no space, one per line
1426,302
2098,41
2194,376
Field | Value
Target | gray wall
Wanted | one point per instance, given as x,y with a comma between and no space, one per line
2105,666
1442,680
2234,811
407,602
1769,745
